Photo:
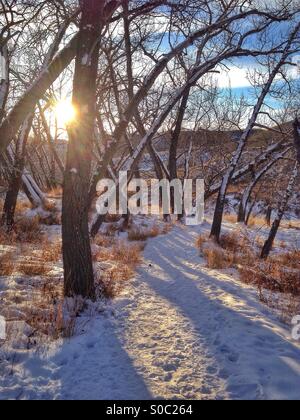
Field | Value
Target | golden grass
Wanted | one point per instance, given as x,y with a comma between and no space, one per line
123,253
28,230
22,207
216,258
230,218
7,264
112,218
34,267
114,279
44,310
49,206
56,192
50,252
103,241
142,234
5,237
279,273
40,306
124,259
232,251
257,221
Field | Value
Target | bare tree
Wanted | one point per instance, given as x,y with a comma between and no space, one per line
297,137
78,267
280,213
219,209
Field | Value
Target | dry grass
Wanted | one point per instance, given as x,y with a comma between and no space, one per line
201,240
49,206
257,221
112,218
114,279
28,230
123,253
277,278
6,238
40,305
216,258
280,273
7,264
142,234
22,207
230,218
292,225
34,267
124,259
253,220
103,241
232,250
55,192
50,252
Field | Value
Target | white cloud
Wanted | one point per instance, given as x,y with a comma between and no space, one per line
234,77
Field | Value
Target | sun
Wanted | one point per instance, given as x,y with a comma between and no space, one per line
65,112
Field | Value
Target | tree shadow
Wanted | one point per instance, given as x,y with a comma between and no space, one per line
247,342
93,366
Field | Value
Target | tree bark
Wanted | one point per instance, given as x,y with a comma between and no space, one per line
267,248
297,137
174,145
77,256
4,82
9,208
248,191
220,204
269,215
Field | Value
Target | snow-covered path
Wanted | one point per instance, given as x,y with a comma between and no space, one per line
179,331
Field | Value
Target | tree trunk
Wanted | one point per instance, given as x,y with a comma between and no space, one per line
77,256
218,217
267,248
10,203
174,144
269,215
4,82
15,181
297,137
248,191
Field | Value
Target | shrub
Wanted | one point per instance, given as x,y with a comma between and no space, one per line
230,218
103,241
215,257
7,264
114,279
34,268
51,252
22,206
122,252
142,234
55,192
256,221
28,230
233,250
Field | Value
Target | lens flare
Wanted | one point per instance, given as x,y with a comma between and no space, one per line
65,112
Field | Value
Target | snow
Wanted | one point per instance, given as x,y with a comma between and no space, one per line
178,331
85,59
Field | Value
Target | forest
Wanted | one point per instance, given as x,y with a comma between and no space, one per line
111,290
